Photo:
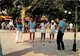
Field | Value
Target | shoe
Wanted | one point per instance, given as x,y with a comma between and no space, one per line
21,41
40,41
50,41
53,41
63,50
16,42
32,41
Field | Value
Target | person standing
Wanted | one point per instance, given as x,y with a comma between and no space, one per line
43,29
52,30
71,27
19,31
61,29
32,28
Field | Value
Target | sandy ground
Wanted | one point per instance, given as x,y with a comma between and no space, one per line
9,48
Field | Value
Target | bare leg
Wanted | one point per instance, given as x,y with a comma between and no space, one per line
50,36
33,35
30,36
44,36
41,36
53,36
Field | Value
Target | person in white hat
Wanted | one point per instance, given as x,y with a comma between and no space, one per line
52,30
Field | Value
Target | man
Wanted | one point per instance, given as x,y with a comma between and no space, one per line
71,27
61,29
32,27
19,30
43,30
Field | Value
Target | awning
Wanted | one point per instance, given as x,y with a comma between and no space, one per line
5,17
27,19
44,18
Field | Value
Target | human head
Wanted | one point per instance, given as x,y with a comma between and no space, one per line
52,21
44,21
19,20
32,20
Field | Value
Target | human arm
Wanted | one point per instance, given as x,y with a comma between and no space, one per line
28,26
59,28
65,27
49,25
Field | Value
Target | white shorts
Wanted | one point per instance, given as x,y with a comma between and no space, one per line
52,31
43,30
32,30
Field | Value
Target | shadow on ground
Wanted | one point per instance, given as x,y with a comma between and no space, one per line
0,49
49,49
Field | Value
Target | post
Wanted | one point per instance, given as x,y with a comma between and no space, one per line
74,45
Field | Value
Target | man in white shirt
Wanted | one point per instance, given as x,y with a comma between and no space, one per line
43,30
71,27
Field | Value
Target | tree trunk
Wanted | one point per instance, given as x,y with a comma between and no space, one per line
23,18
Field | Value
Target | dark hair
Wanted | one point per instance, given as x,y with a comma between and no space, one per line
45,20
60,17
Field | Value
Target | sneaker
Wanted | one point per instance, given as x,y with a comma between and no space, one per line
32,41
50,41
16,42
63,50
21,41
53,41
40,41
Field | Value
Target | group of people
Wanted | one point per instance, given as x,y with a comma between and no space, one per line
8,25
32,28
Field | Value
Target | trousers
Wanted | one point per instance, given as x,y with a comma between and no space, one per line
17,36
60,43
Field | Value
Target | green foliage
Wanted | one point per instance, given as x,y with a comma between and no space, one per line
50,8
27,2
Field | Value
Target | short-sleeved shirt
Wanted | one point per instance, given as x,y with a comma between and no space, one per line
63,24
43,26
71,25
19,26
31,26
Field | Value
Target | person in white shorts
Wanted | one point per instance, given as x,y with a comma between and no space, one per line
32,27
71,27
43,29
52,30
11,25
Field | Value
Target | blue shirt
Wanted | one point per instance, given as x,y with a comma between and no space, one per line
63,24
31,26
19,26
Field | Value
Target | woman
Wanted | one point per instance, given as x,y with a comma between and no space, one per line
52,30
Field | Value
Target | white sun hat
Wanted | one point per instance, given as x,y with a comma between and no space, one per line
52,21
